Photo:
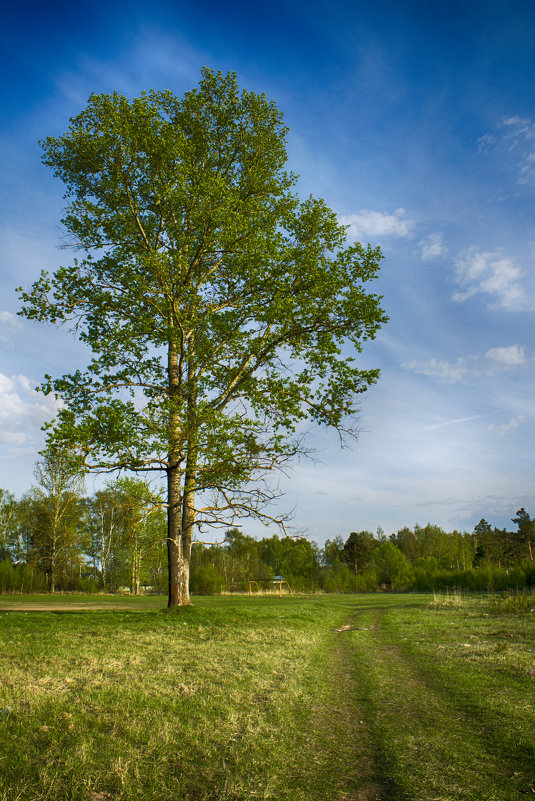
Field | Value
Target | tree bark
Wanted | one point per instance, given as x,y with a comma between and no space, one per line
190,476
52,574
177,597
178,569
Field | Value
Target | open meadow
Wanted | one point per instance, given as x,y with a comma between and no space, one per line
417,697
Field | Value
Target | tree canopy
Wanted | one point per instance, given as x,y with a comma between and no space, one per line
222,312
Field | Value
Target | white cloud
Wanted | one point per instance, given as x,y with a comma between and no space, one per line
375,224
512,356
433,247
507,427
438,368
22,411
493,361
491,274
10,319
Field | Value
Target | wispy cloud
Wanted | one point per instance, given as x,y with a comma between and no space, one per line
151,58
375,224
491,274
10,319
520,134
22,411
507,427
490,363
439,368
516,135
433,247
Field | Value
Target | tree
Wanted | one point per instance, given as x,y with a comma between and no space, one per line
102,521
526,533
333,552
392,567
138,512
221,310
125,526
52,510
358,549
8,533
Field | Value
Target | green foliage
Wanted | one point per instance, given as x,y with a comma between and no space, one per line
391,567
514,603
50,513
206,580
116,539
358,550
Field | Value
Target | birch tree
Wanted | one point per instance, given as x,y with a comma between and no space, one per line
53,511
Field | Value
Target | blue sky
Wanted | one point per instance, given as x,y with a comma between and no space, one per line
416,122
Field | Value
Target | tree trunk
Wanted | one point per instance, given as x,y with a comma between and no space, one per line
188,506
133,573
52,574
178,566
178,549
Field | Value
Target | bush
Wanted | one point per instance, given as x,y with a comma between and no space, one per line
514,603
206,580
340,579
8,577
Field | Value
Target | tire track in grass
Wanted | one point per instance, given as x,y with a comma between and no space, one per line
348,756
426,747
331,758
344,718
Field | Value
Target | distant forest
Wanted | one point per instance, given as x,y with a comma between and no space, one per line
56,538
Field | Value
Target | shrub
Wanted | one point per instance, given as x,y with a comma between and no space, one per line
206,580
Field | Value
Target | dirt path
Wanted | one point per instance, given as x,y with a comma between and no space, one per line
64,607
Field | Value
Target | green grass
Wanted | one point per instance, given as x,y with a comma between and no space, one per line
259,698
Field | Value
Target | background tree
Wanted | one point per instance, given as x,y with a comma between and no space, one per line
333,553
101,518
140,523
214,301
526,534
391,566
52,511
358,549
407,542
8,527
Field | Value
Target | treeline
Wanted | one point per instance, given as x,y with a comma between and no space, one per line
56,538
429,558
420,559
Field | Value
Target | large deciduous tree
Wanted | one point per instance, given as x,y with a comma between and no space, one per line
220,309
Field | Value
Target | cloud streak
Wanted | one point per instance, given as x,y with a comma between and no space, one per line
517,135
504,429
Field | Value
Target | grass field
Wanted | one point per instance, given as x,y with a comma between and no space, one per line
260,698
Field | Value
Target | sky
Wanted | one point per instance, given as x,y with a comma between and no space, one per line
415,121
